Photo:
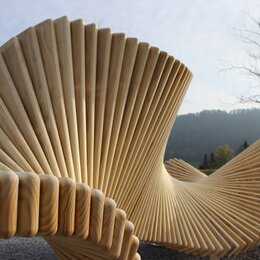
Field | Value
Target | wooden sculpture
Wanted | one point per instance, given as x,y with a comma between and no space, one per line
76,221
220,213
93,110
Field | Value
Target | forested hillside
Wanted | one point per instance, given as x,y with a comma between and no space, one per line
193,135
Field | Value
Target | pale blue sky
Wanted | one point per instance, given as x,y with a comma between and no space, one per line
201,33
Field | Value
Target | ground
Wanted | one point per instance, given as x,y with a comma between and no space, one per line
37,249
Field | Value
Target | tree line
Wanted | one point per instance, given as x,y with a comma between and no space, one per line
193,135
221,156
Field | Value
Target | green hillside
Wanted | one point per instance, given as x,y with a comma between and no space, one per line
193,135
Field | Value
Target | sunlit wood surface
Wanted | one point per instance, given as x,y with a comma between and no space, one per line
220,213
87,109
77,221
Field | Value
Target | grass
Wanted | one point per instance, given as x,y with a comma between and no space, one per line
208,171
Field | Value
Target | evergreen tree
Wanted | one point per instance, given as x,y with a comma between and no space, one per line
245,145
205,164
242,147
212,161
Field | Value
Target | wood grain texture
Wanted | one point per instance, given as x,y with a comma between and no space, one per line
15,61
48,45
32,54
82,210
28,204
95,109
216,215
9,201
49,205
26,198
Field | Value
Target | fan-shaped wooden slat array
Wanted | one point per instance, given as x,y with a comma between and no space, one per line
81,102
183,171
219,214
69,215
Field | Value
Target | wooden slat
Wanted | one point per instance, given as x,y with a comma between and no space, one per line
44,205
47,41
64,49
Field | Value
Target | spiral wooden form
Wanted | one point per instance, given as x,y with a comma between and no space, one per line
93,107
220,213
69,215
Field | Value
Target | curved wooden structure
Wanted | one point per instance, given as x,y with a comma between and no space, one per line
80,102
220,213
76,221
